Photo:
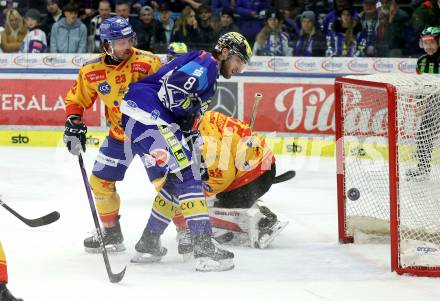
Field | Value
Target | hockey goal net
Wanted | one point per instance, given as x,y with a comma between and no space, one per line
388,165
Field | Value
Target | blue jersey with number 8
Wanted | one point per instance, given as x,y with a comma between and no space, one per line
184,86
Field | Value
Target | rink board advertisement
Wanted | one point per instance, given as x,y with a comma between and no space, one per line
292,107
38,102
297,106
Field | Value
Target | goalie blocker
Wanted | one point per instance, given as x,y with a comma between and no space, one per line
241,168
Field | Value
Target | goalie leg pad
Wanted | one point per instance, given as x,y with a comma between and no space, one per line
256,227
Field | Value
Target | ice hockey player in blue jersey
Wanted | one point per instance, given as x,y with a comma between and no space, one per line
160,117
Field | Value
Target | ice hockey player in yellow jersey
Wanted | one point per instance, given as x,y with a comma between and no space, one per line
107,77
240,168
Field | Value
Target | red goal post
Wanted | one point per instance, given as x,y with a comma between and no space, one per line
386,129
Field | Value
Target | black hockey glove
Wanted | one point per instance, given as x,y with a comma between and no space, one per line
190,123
75,135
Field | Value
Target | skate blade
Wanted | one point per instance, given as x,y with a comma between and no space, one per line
143,258
114,248
267,239
206,264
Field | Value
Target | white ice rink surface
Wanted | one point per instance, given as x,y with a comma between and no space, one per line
304,263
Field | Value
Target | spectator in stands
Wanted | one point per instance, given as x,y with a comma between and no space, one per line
390,36
150,34
186,29
369,19
252,13
195,4
166,22
205,24
35,40
54,14
427,13
227,22
94,41
5,6
344,34
87,10
217,6
320,8
176,6
291,14
311,41
271,40
123,10
69,34
333,14
141,3
15,31
290,8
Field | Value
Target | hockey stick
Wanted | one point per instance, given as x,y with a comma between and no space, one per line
258,97
114,278
36,222
287,175
284,177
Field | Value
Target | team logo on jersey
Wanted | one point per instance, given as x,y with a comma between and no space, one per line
131,104
155,114
122,90
95,76
140,67
161,156
149,161
104,88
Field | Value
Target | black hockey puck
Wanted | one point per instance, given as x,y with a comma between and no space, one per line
353,194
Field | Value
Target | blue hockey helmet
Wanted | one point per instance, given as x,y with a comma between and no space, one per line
115,28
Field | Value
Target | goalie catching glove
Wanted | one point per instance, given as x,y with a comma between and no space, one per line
75,135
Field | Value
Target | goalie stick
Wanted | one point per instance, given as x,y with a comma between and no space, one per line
284,177
36,222
287,175
258,97
114,278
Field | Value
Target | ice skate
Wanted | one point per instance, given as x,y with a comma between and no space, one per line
268,227
209,256
113,240
5,294
267,235
184,244
149,248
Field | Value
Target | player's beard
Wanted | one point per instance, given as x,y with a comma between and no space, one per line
124,55
224,69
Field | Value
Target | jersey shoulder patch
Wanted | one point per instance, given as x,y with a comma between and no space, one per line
145,53
93,61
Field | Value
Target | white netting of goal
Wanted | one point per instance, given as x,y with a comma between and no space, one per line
366,162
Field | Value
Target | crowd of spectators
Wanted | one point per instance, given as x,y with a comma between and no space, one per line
364,28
